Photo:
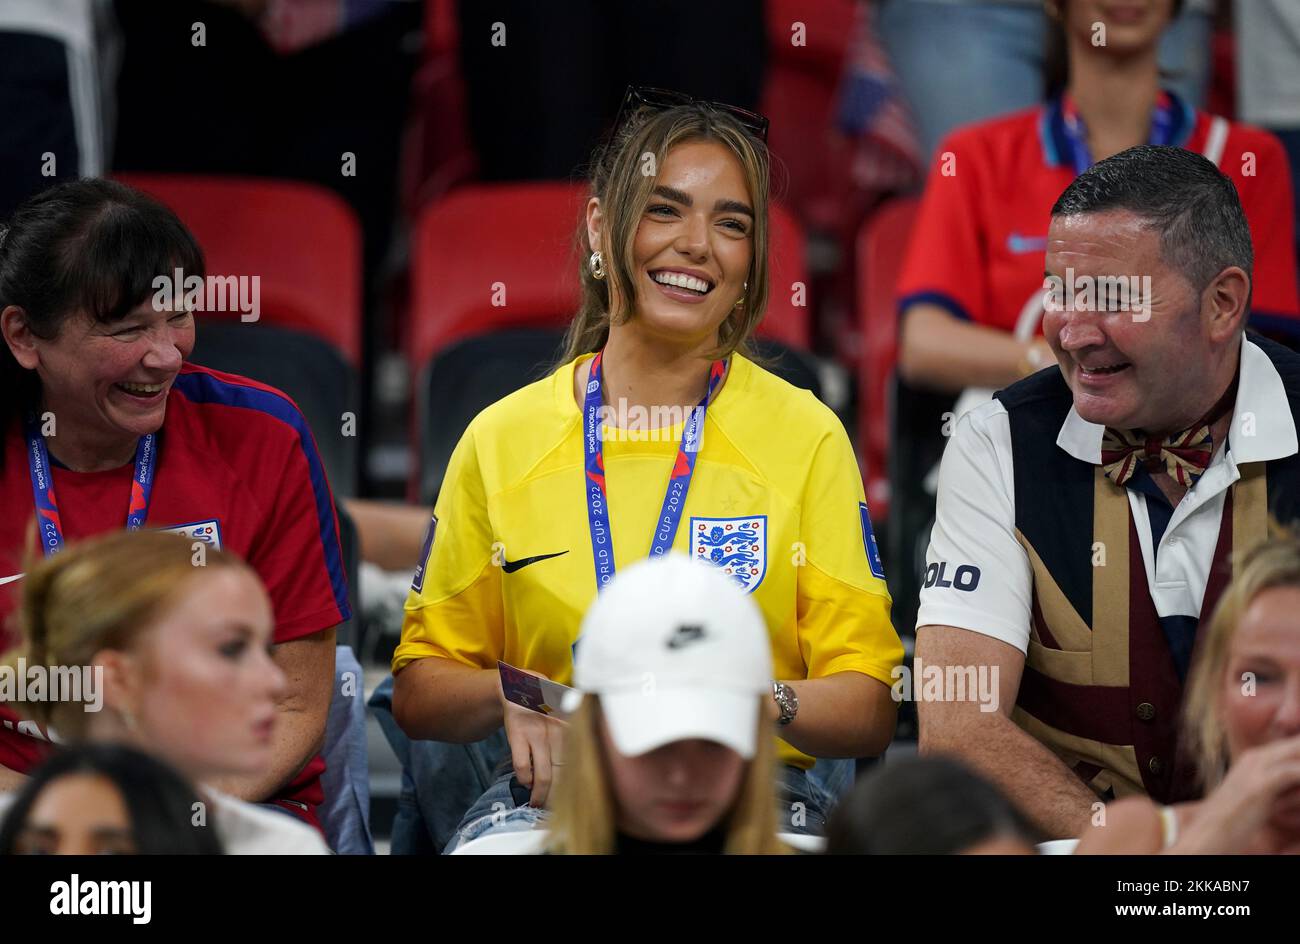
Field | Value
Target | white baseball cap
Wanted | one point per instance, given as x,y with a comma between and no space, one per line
675,649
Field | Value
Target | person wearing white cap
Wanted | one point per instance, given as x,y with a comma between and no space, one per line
656,433
670,746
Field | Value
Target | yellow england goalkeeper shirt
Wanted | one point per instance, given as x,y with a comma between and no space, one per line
508,570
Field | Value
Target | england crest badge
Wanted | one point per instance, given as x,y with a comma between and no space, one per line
736,545
209,532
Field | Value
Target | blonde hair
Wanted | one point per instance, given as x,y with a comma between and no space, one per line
99,594
584,812
618,180
1275,563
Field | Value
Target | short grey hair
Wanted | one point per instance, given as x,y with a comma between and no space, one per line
1193,205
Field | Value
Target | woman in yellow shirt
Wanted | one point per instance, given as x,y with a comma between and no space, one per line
555,486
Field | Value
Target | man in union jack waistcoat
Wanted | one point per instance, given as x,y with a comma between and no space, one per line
1088,515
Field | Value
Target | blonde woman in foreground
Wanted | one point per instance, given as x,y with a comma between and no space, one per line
671,748
183,643
1243,722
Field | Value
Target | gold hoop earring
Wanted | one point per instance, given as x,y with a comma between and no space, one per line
740,302
597,265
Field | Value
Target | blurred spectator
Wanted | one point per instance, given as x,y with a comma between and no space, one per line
271,88
927,806
962,61
544,79
178,655
971,288
1268,74
98,405
887,157
1243,726
671,748
55,57
101,799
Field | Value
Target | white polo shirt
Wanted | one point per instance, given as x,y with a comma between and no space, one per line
975,515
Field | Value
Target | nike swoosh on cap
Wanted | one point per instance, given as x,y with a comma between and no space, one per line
685,635
5,580
511,566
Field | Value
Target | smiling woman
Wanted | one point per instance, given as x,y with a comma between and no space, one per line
681,176
757,479
185,658
65,292
104,425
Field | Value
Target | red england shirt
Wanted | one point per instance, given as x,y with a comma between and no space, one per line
237,466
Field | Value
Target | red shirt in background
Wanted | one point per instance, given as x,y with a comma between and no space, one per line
980,238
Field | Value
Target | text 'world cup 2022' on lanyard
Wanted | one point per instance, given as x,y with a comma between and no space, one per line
679,481
47,506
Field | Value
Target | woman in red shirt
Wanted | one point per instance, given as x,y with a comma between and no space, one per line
104,425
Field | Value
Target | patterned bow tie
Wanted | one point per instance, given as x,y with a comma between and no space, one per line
1185,455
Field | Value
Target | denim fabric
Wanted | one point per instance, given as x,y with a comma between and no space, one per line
345,813
452,793
831,781
440,781
496,812
962,63
799,809
799,806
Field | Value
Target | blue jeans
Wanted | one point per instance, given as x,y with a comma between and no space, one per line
960,63
345,813
495,812
440,781
800,808
452,793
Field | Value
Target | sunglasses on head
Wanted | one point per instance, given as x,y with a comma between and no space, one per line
639,96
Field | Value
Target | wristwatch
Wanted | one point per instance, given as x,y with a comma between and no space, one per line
786,700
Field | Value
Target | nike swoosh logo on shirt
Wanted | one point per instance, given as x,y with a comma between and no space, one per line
5,580
511,566
1019,243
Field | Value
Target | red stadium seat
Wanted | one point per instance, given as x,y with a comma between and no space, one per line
303,241
437,153
799,98
513,244
882,243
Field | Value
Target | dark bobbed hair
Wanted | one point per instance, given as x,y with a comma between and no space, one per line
1191,203
89,245
923,806
159,802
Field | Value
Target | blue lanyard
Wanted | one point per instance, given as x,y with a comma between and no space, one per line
1162,126
679,481
47,506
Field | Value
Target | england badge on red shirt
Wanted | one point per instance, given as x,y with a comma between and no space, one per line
209,532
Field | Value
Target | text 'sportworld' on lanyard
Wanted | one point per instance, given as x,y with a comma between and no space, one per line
47,506
679,481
